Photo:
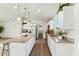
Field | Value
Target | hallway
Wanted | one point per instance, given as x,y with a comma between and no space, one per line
40,48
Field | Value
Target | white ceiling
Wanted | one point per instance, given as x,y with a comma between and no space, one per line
47,10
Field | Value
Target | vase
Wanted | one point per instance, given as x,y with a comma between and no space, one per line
60,37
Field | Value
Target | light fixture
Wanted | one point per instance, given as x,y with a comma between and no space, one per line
24,17
39,10
18,18
15,7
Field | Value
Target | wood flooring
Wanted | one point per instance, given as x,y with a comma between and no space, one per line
40,48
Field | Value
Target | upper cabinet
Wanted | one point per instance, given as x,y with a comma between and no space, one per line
64,19
68,17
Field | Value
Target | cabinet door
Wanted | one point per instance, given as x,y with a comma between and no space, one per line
68,16
17,49
27,49
64,19
52,46
63,49
29,46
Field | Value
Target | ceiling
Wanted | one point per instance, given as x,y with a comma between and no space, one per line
9,11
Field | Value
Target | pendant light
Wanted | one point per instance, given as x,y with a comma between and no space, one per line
18,18
24,17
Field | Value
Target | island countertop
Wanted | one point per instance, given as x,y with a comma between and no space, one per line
18,39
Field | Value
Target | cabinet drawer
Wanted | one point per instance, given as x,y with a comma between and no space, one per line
17,49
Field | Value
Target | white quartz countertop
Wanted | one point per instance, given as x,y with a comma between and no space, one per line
57,40
18,39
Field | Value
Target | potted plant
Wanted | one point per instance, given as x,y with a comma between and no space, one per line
61,35
1,30
62,5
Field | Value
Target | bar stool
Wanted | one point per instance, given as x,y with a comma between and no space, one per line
1,49
5,51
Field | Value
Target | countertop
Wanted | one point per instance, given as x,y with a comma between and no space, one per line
57,40
18,39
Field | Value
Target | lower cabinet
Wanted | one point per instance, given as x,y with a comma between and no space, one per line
63,49
29,46
17,49
51,46
21,49
59,49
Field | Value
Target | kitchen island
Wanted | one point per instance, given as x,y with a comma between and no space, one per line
20,45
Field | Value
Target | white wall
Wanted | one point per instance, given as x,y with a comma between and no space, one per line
12,28
1,24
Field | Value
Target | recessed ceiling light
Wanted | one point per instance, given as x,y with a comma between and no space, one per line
39,10
15,7
18,18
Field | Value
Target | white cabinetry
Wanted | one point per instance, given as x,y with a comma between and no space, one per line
51,45
21,49
68,17
59,49
29,46
32,28
64,19
63,49
17,49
